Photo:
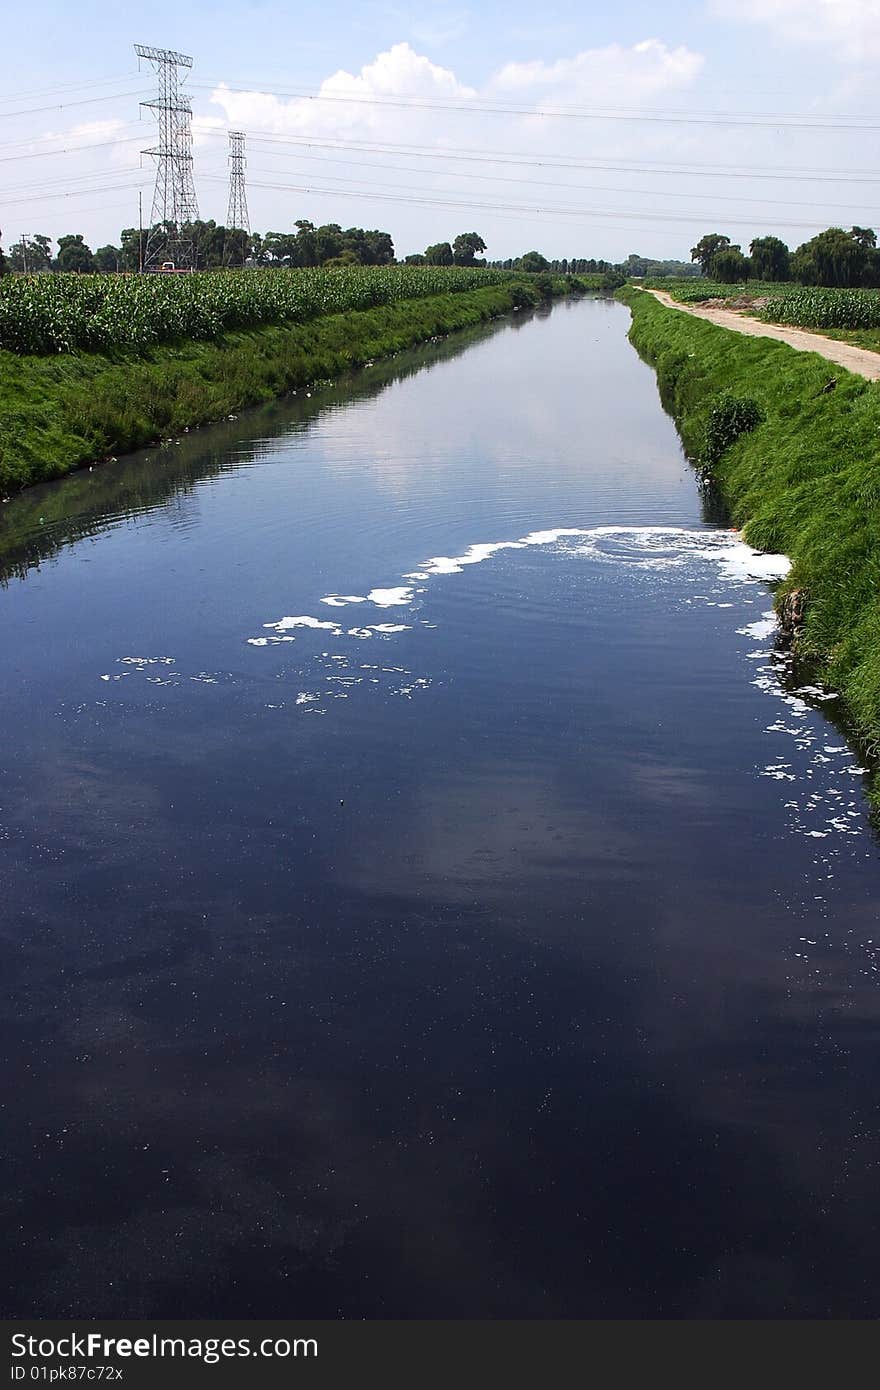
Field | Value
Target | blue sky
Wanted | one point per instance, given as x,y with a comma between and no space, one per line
580,129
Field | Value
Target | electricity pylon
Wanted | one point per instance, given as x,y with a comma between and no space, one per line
175,208
237,219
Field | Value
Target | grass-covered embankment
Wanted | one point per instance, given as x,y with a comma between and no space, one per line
805,481
60,412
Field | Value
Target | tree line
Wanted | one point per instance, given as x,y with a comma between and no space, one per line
216,246
834,258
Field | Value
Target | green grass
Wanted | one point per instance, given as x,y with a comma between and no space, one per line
805,482
58,413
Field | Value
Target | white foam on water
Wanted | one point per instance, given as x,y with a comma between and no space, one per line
145,660
763,627
390,598
382,598
653,549
824,762
639,546
284,624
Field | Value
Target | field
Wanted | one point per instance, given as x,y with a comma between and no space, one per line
45,314
804,307
850,316
696,291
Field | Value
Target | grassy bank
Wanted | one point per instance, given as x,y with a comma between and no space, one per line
60,412
805,481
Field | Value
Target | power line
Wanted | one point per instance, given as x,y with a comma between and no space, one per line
73,193
659,167
63,105
66,87
799,122
70,149
547,183
421,200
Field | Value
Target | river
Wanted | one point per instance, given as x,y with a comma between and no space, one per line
402,924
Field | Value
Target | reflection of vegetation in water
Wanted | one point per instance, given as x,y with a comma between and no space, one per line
41,521
58,413
804,482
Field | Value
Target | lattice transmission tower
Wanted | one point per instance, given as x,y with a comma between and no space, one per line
237,219
174,199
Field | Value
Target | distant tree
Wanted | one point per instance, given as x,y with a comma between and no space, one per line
129,248
346,257
74,255
108,259
31,253
42,249
532,260
4,267
771,259
306,248
834,258
466,248
329,242
730,265
439,254
416,259
371,247
279,248
379,248
865,236
612,280
707,249
634,265
236,245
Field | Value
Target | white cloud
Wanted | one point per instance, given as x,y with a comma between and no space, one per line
850,29
629,76
398,72
401,97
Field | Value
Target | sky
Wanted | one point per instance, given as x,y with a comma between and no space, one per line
581,130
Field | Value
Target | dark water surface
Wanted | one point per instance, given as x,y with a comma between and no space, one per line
504,946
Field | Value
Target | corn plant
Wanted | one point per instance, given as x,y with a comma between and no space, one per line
41,314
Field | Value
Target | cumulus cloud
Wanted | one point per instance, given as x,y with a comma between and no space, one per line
403,98
850,29
628,76
344,98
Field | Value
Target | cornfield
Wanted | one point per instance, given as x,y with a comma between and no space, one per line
820,308
41,314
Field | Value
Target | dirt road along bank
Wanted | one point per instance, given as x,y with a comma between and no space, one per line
854,359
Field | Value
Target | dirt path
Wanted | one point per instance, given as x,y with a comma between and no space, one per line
855,359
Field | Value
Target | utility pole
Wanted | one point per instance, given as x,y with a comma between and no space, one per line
175,208
140,233
24,251
237,213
